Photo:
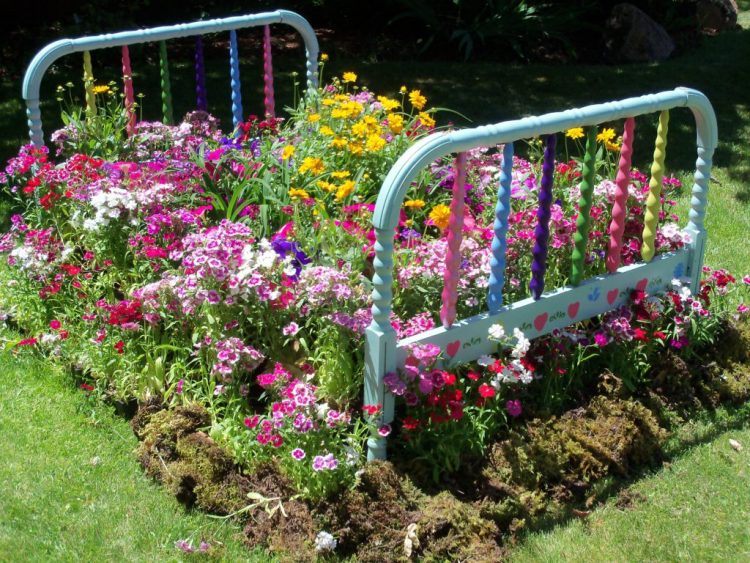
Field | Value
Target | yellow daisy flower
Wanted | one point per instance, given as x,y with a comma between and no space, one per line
344,190
606,135
312,164
288,152
440,216
296,194
417,99
574,133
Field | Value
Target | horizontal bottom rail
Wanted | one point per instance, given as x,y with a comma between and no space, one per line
466,340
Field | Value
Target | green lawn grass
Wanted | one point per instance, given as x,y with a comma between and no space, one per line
70,486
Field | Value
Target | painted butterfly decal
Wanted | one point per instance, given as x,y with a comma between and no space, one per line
594,295
679,271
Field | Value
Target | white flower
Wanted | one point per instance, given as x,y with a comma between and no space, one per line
522,344
325,542
485,360
291,329
321,410
497,331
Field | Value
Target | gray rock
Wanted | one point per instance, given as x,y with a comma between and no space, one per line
634,37
715,16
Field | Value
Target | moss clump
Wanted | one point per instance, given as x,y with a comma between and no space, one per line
453,530
204,475
538,472
371,520
159,436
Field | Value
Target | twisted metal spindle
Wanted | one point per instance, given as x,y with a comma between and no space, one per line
541,231
201,103
653,202
455,235
88,84
499,242
234,73
127,86
268,96
619,208
166,88
581,236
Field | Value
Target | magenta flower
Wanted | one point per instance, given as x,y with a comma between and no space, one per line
291,329
298,454
178,387
514,408
385,430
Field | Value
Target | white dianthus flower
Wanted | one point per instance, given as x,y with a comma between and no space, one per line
497,331
325,542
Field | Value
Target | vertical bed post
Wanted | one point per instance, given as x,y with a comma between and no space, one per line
380,351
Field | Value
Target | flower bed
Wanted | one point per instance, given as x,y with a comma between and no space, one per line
226,278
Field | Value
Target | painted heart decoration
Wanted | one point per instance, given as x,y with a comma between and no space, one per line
540,321
453,347
612,295
573,309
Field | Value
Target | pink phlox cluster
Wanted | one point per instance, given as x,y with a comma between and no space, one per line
233,354
323,286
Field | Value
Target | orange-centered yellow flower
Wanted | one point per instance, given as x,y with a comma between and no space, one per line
296,194
414,204
440,216
349,77
344,190
417,99
396,123
606,135
288,152
574,133
312,164
388,104
426,120
341,174
375,143
338,143
313,117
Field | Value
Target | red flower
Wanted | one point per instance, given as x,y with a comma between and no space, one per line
371,410
449,378
120,346
87,387
497,367
660,335
277,441
27,342
410,423
640,334
486,391
55,324
474,376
